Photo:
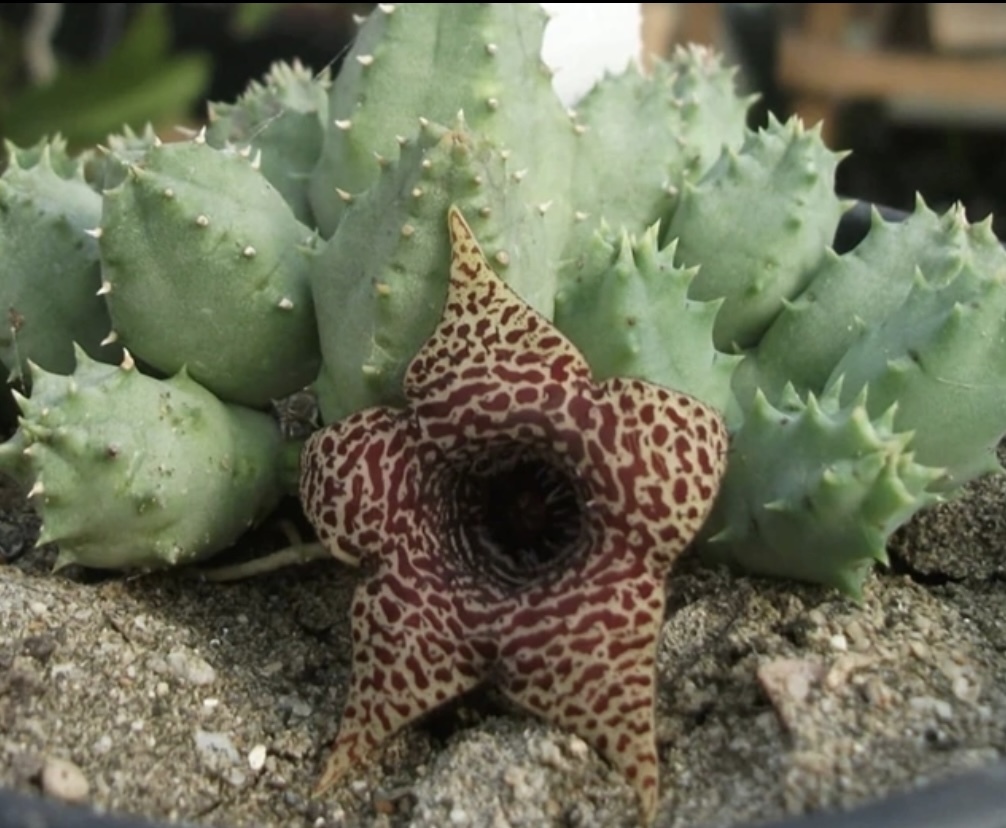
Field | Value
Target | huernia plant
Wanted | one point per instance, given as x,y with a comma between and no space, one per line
679,247
300,240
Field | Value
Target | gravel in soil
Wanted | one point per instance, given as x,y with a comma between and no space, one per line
178,699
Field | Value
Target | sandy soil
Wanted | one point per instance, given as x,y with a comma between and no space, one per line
172,698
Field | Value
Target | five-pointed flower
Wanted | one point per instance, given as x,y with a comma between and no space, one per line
515,523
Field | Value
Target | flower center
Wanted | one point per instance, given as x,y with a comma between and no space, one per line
518,516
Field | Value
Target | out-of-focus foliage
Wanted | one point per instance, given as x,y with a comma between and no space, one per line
139,80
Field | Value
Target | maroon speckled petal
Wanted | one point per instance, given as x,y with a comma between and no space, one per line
353,476
408,658
430,621
590,669
493,366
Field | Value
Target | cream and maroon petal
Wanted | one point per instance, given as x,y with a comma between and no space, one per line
433,616
492,362
409,657
354,475
591,669
653,458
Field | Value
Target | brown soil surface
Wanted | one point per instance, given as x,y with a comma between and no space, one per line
173,698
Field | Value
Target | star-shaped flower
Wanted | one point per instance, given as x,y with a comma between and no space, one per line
515,523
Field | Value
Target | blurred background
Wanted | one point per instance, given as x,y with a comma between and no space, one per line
916,90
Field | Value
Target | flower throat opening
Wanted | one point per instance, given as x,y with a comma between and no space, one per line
519,517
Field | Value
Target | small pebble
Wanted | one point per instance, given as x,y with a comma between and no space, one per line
578,748
927,704
216,750
296,705
550,754
62,779
256,758
235,778
857,635
191,668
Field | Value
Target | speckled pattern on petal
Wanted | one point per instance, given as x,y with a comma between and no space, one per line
516,523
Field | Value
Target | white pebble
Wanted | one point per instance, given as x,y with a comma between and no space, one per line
256,758
578,748
62,779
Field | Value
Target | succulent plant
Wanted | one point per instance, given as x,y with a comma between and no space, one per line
300,240
814,489
283,118
196,239
49,263
380,282
648,238
129,471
